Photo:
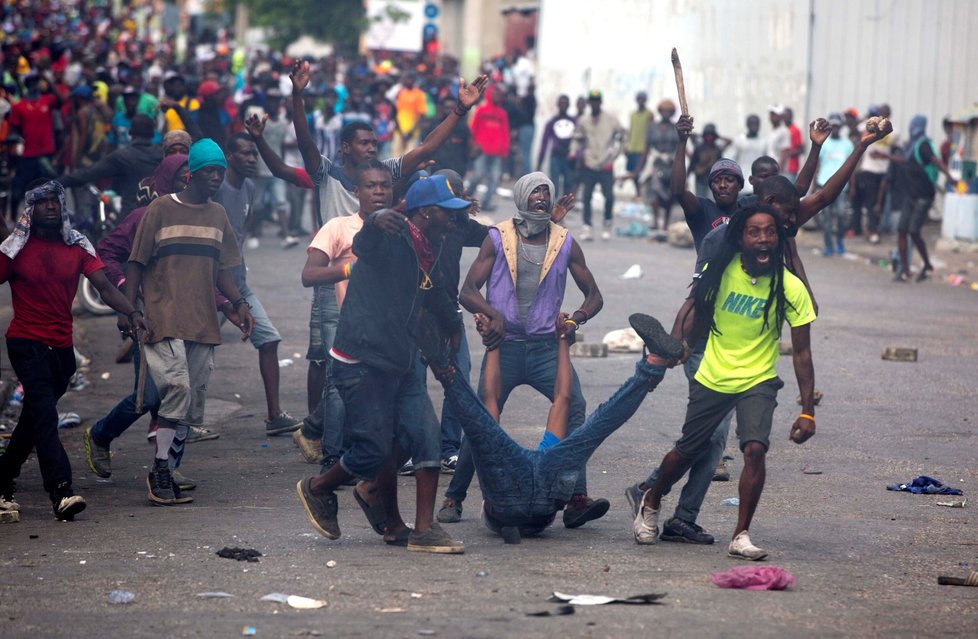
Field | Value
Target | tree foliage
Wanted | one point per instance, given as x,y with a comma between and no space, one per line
339,22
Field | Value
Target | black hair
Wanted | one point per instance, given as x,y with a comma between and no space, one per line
142,127
779,186
708,285
349,132
372,165
232,144
764,160
454,179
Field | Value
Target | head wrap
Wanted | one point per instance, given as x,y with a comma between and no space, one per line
206,152
176,136
529,223
22,231
727,167
918,130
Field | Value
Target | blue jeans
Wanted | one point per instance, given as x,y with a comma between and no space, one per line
451,429
701,472
533,363
834,224
525,136
522,486
486,168
124,414
326,422
562,174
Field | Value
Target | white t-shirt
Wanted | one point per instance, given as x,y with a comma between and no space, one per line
778,141
744,151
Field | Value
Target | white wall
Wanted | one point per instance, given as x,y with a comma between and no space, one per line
739,57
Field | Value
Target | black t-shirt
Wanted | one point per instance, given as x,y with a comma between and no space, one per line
472,234
707,217
919,184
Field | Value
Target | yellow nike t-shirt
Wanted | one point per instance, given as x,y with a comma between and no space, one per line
743,355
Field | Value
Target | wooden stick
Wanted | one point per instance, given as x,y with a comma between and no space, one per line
680,86
970,580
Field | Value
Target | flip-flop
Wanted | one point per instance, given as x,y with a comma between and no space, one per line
375,514
401,539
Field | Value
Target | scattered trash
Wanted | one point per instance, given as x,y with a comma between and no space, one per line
785,348
302,603
623,340
731,501
9,516
754,578
17,397
898,354
237,395
68,420
106,375
970,580
424,632
121,597
249,631
288,361
557,612
331,564
297,355
214,595
925,485
634,229
389,609
581,349
955,280
482,573
954,503
241,554
416,595
806,469
78,382
679,235
634,272
599,600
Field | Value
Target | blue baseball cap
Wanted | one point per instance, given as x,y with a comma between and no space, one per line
434,191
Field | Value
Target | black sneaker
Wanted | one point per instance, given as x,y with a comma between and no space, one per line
65,508
321,510
582,509
685,532
160,484
656,339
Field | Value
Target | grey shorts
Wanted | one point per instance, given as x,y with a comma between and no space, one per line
264,331
914,214
707,408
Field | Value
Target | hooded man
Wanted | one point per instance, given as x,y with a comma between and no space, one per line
524,264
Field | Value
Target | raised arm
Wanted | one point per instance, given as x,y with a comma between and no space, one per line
307,145
471,298
686,198
468,95
818,131
585,281
255,127
804,427
811,205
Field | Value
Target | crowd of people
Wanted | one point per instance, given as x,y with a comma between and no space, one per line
205,150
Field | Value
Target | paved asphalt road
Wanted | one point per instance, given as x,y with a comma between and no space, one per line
866,560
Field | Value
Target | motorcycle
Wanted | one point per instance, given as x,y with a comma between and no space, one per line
95,227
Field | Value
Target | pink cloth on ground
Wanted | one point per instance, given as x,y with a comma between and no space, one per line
754,578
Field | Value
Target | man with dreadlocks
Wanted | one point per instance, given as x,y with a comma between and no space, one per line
743,298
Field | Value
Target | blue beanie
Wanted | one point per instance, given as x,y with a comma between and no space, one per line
205,152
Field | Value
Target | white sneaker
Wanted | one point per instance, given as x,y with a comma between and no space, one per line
289,242
252,243
8,504
586,233
606,235
646,524
742,548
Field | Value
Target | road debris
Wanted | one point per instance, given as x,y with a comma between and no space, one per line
754,578
240,554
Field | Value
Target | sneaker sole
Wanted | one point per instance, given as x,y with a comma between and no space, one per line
157,501
656,339
312,520
202,438
438,550
745,557
282,430
597,510
69,513
309,454
88,456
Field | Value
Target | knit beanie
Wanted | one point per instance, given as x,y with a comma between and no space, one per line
205,152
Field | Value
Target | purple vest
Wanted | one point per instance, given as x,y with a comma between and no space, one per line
501,292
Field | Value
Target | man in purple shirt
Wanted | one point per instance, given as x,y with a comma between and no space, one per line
525,262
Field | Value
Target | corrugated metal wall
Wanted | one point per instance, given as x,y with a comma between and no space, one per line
739,57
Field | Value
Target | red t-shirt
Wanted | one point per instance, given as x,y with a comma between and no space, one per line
43,280
35,119
490,130
794,162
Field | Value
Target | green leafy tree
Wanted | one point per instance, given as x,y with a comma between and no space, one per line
339,22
